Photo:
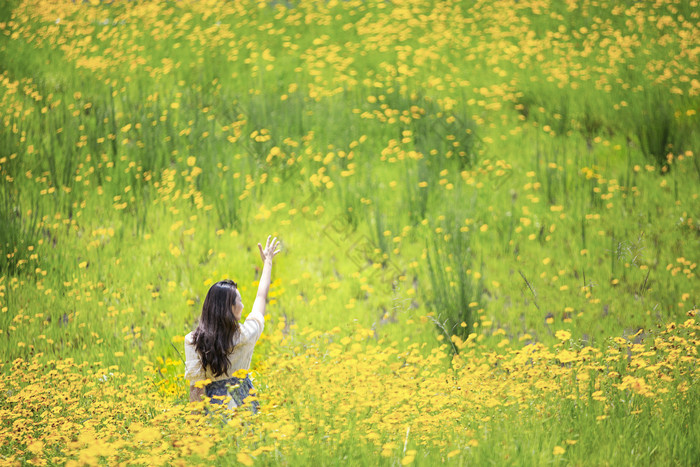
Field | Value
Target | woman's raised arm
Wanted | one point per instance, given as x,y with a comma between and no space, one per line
266,254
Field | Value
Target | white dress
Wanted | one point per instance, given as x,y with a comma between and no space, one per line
239,358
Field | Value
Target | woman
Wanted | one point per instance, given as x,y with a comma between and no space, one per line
220,345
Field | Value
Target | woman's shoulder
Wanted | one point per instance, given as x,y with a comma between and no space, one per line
251,329
189,338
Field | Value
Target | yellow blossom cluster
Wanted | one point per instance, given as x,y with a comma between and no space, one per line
321,389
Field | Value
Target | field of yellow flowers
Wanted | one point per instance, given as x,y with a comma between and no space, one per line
488,210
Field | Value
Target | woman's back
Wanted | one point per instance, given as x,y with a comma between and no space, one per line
239,358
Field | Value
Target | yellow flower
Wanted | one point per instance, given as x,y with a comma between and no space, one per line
244,459
563,335
36,447
558,450
202,384
566,356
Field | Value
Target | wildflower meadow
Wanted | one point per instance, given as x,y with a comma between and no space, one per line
488,213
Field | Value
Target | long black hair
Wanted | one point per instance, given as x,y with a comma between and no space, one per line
217,327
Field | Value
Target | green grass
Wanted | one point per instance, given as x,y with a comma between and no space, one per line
519,168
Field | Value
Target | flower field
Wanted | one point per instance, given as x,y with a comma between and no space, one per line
488,211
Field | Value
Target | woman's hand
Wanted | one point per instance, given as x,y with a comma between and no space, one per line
267,253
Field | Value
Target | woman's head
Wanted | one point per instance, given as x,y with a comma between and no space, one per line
218,324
